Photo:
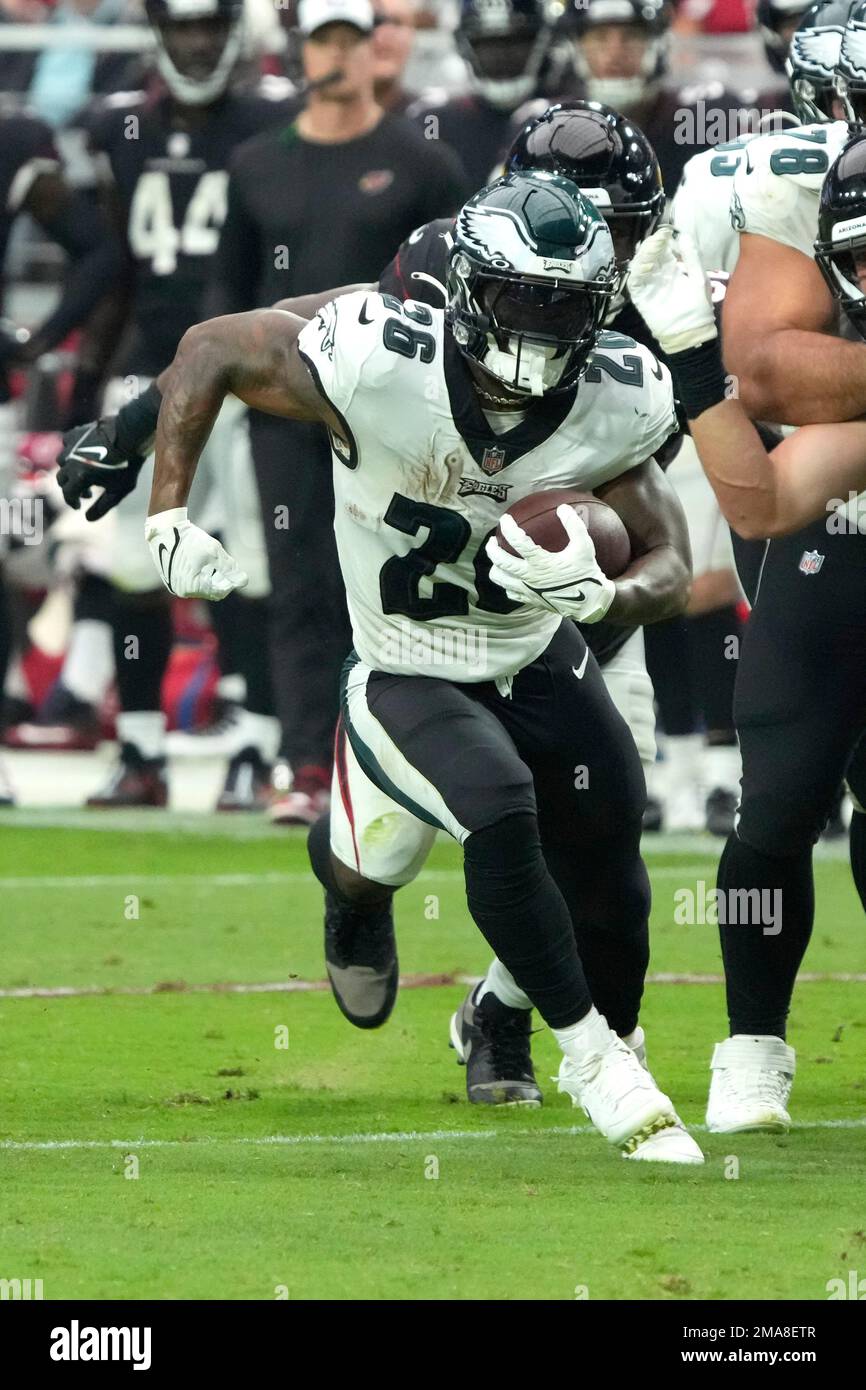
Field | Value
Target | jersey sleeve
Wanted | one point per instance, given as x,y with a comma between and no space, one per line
775,190
418,269
338,347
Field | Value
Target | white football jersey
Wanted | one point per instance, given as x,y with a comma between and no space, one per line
701,204
424,480
777,186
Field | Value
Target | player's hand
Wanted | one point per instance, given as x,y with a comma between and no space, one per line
668,287
91,457
566,581
191,563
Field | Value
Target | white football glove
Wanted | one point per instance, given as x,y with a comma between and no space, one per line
191,563
668,287
567,581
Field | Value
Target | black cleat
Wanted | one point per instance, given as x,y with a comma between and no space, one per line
361,959
721,812
248,783
492,1042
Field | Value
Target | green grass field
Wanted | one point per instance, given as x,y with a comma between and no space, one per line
281,1153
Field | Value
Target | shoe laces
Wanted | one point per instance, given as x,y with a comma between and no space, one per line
604,1071
761,1084
364,938
507,1036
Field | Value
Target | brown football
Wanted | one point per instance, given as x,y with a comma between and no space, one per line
537,515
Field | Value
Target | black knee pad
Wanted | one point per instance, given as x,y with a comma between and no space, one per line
505,858
783,829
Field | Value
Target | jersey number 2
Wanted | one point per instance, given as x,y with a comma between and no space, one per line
153,235
447,534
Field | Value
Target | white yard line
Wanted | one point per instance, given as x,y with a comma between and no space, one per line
429,980
433,1136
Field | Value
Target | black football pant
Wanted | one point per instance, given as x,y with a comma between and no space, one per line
309,623
546,792
800,709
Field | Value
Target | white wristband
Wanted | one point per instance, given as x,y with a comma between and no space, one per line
161,521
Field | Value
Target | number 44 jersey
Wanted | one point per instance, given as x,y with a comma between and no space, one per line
171,184
421,478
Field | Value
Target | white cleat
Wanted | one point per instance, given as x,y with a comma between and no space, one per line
623,1101
751,1082
671,1145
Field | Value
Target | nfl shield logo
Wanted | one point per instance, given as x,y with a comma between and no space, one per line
811,562
493,461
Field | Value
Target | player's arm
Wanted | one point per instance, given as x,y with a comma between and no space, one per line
306,306
657,583
777,321
74,222
255,357
761,494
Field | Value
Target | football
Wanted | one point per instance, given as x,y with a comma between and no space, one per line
537,516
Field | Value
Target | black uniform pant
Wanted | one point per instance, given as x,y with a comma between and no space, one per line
309,624
800,709
546,792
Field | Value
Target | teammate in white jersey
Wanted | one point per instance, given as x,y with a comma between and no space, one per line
522,756
801,702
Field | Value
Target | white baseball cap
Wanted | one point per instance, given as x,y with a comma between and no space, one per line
315,14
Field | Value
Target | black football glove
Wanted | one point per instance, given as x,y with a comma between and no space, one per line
92,457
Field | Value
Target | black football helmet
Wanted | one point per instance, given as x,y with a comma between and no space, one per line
850,80
812,59
841,246
530,278
607,156
504,44
776,19
652,17
201,77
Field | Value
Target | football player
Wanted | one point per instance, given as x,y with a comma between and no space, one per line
620,52
507,47
798,730
32,182
611,159
166,154
514,748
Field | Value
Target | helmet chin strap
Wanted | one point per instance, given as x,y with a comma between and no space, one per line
529,367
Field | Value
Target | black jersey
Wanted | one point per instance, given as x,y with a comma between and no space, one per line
304,215
172,182
478,132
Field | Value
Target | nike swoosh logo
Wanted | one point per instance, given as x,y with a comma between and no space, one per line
362,316
579,670
163,547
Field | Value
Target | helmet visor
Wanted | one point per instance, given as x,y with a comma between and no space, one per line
547,312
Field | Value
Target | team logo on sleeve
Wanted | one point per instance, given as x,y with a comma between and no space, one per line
493,461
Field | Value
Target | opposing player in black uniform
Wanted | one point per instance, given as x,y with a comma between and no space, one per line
620,54
167,151
511,58
31,181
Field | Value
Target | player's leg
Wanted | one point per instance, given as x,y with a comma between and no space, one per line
250,733
856,782
797,731
309,627
590,792
361,851
444,753
496,1037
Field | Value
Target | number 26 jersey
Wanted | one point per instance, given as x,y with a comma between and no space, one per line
421,478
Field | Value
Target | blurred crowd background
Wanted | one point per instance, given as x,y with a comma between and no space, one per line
93,661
